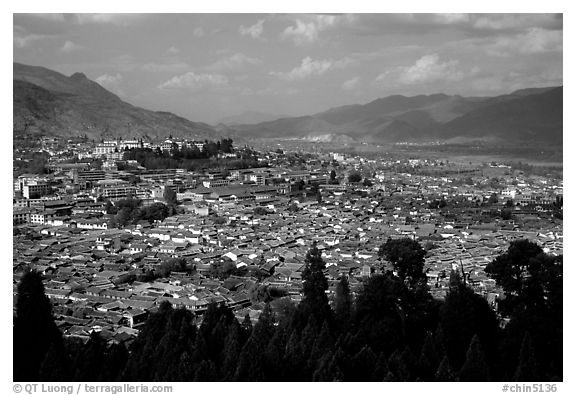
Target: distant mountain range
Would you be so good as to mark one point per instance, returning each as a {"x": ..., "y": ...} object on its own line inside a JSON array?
[
  {"x": 528, "y": 115},
  {"x": 249, "y": 118},
  {"x": 47, "y": 102},
  {"x": 50, "y": 103}
]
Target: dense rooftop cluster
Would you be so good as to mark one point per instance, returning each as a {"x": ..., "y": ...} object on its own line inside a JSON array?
[{"x": 239, "y": 236}]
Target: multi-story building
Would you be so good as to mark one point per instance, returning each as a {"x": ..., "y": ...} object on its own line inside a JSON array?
[
  {"x": 35, "y": 189},
  {"x": 199, "y": 144},
  {"x": 21, "y": 215},
  {"x": 117, "y": 192},
  {"x": 215, "y": 183},
  {"x": 105, "y": 148},
  {"x": 89, "y": 176},
  {"x": 129, "y": 144}
]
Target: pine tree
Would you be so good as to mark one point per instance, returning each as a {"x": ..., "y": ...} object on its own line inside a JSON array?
[
  {"x": 445, "y": 372},
  {"x": 114, "y": 362},
  {"x": 381, "y": 368},
  {"x": 328, "y": 369},
  {"x": 56, "y": 365},
  {"x": 439, "y": 342},
  {"x": 34, "y": 328},
  {"x": 343, "y": 302},
  {"x": 246, "y": 327},
  {"x": 251, "y": 360},
  {"x": 428, "y": 361},
  {"x": 294, "y": 358},
  {"x": 185, "y": 370},
  {"x": 398, "y": 368},
  {"x": 231, "y": 351},
  {"x": 90, "y": 362},
  {"x": 527, "y": 369},
  {"x": 362, "y": 365},
  {"x": 206, "y": 371},
  {"x": 308, "y": 336},
  {"x": 274, "y": 355},
  {"x": 464, "y": 314},
  {"x": 475, "y": 367},
  {"x": 315, "y": 301},
  {"x": 323, "y": 342}
]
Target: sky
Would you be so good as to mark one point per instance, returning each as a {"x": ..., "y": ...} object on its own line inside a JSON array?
[{"x": 209, "y": 66}]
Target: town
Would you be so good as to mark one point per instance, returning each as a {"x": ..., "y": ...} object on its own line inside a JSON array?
[{"x": 117, "y": 227}]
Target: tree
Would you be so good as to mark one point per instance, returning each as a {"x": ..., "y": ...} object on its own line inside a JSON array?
[
  {"x": 226, "y": 145},
  {"x": 170, "y": 265},
  {"x": 169, "y": 195},
  {"x": 407, "y": 257},
  {"x": 428, "y": 361},
  {"x": 231, "y": 351},
  {"x": 506, "y": 214},
  {"x": 333, "y": 177},
  {"x": 293, "y": 207},
  {"x": 527, "y": 369},
  {"x": 251, "y": 359},
  {"x": 463, "y": 315},
  {"x": 154, "y": 212},
  {"x": 445, "y": 372},
  {"x": 475, "y": 367},
  {"x": 493, "y": 199},
  {"x": 90, "y": 361},
  {"x": 314, "y": 287},
  {"x": 260, "y": 211},
  {"x": 527, "y": 275},
  {"x": 56, "y": 365},
  {"x": 354, "y": 177},
  {"x": 343, "y": 301},
  {"x": 34, "y": 329},
  {"x": 362, "y": 365},
  {"x": 328, "y": 369}
]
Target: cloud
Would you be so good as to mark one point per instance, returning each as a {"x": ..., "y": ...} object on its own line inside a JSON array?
[
  {"x": 199, "y": 32},
  {"x": 113, "y": 19},
  {"x": 49, "y": 17},
  {"x": 255, "y": 31},
  {"x": 69, "y": 46},
  {"x": 427, "y": 69},
  {"x": 234, "y": 62},
  {"x": 167, "y": 66},
  {"x": 350, "y": 84},
  {"x": 472, "y": 25},
  {"x": 173, "y": 50},
  {"x": 534, "y": 40},
  {"x": 21, "y": 38},
  {"x": 270, "y": 92},
  {"x": 195, "y": 81},
  {"x": 450, "y": 19},
  {"x": 309, "y": 68},
  {"x": 516, "y": 21},
  {"x": 111, "y": 82},
  {"x": 308, "y": 31}
]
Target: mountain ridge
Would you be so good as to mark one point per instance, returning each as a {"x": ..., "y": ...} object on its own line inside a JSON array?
[
  {"x": 525, "y": 115},
  {"x": 48, "y": 102}
]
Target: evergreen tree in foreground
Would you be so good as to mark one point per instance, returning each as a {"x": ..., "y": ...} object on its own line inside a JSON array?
[
  {"x": 35, "y": 333},
  {"x": 315, "y": 300}
]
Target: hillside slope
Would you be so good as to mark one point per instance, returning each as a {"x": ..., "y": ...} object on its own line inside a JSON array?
[
  {"x": 50, "y": 103},
  {"x": 527, "y": 115}
]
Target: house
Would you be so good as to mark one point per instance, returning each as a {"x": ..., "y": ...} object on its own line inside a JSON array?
[{"x": 135, "y": 317}]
